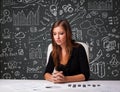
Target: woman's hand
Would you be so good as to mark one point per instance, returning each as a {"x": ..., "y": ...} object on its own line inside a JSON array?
[{"x": 58, "y": 77}]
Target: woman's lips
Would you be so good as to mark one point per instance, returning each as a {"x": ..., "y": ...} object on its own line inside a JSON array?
[{"x": 58, "y": 41}]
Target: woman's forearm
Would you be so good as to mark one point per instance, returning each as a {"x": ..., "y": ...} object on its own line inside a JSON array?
[
  {"x": 75, "y": 78},
  {"x": 48, "y": 77}
]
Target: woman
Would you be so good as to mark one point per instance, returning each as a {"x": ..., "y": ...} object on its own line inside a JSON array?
[{"x": 68, "y": 59}]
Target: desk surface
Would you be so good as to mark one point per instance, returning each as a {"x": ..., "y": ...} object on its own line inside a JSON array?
[{"x": 46, "y": 86}]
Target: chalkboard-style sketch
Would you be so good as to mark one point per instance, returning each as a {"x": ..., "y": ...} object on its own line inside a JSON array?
[
  {"x": 77, "y": 34},
  {"x": 80, "y": 14},
  {"x": 68, "y": 8},
  {"x": 98, "y": 69},
  {"x": 53, "y": 9},
  {"x": 12, "y": 64},
  {"x": 6, "y": 17},
  {"x": 6, "y": 34},
  {"x": 114, "y": 62},
  {"x": 26, "y": 1},
  {"x": 113, "y": 20},
  {"x": 35, "y": 76},
  {"x": 100, "y": 5},
  {"x": 101, "y": 69},
  {"x": 20, "y": 35},
  {"x": 17, "y": 73},
  {"x": 104, "y": 15},
  {"x": 108, "y": 45},
  {"x": 8, "y": 2},
  {"x": 102, "y": 29},
  {"x": 99, "y": 54},
  {"x": 20, "y": 19},
  {"x": 33, "y": 29},
  {"x": 34, "y": 70},
  {"x": 39, "y": 38},
  {"x": 6, "y": 76},
  {"x": 92, "y": 32},
  {"x": 85, "y": 25},
  {"x": 114, "y": 35},
  {"x": 98, "y": 21},
  {"x": 115, "y": 73},
  {"x": 35, "y": 53},
  {"x": 20, "y": 52},
  {"x": 25, "y": 35},
  {"x": 7, "y": 51},
  {"x": 91, "y": 14}
]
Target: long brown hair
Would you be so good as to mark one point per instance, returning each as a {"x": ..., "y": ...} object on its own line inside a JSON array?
[{"x": 56, "y": 52}]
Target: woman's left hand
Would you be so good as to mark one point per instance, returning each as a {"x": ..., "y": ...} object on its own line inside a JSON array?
[{"x": 58, "y": 77}]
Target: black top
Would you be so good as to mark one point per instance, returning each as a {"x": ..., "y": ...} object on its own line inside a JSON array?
[{"x": 77, "y": 64}]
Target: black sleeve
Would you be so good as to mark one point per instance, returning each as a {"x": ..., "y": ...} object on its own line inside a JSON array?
[
  {"x": 50, "y": 65},
  {"x": 84, "y": 64}
]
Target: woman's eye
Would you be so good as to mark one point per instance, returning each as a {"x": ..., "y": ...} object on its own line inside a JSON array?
[
  {"x": 54, "y": 33},
  {"x": 61, "y": 33}
]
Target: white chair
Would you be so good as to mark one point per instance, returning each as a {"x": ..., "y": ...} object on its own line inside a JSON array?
[{"x": 82, "y": 43}]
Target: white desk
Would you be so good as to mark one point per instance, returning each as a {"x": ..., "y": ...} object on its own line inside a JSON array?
[{"x": 45, "y": 86}]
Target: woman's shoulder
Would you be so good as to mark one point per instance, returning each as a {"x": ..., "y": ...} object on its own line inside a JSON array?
[
  {"x": 77, "y": 45},
  {"x": 77, "y": 49}
]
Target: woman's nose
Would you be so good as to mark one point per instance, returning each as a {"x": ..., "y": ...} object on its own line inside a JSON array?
[{"x": 57, "y": 36}]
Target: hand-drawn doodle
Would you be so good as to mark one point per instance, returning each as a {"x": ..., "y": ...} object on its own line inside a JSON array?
[
  {"x": 104, "y": 15},
  {"x": 20, "y": 19},
  {"x": 85, "y": 24},
  {"x": 53, "y": 9},
  {"x": 98, "y": 21},
  {"x": 35, "y": 76},
  {"x": 35, "y": 53},
  {"x": 8, "y": 52},
  {"x": 113, "y": 20},
  {"x": 20, "y": 35},
  {"x": 33, "y": 29},
  {"x": 17, "y": 73},
  {"x": 68, "y": 8},
  {"x": 26, "y": 1},
  {"x": 92, "y": 32},
  {"x": 77, "y": 34},
  {"x": 6, "y": 76},
  {"x": 34, "y": 70},
  {"x": 12, "y": 64},
  {"x": 98, "y": 68},
  {"x": 114, "y": 62},
  {"x": 115, "y": 73},
  {"x": 82, "y": 2},
  {"x": 79, "y": 15},
  {"x": 36, "y": 39},
  {"x": 102, "y": 29},
  {"x": 108, "y": 45},
  {"x": 99, "y": 54},
  {"x": 101, "y": 69},
  {"x": 113, "y": 35},
  {"x": 8, "y": 2},
  {"x": 6, "y": 17},
  {"x": 20, "y": 52},
  {"x": 100, "y": 5},
  {"x": 6, "y": 34}
]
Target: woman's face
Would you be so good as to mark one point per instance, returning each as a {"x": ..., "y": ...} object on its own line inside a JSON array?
[{"x": 59, "y": 35}]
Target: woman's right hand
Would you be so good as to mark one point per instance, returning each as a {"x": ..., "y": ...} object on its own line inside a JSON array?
[{"x": 58, "y": 77}]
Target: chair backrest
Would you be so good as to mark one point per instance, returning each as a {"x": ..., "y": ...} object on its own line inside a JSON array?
[
  {"x": 48, "y": 52},
  {"x": 82, "y": 43}
]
